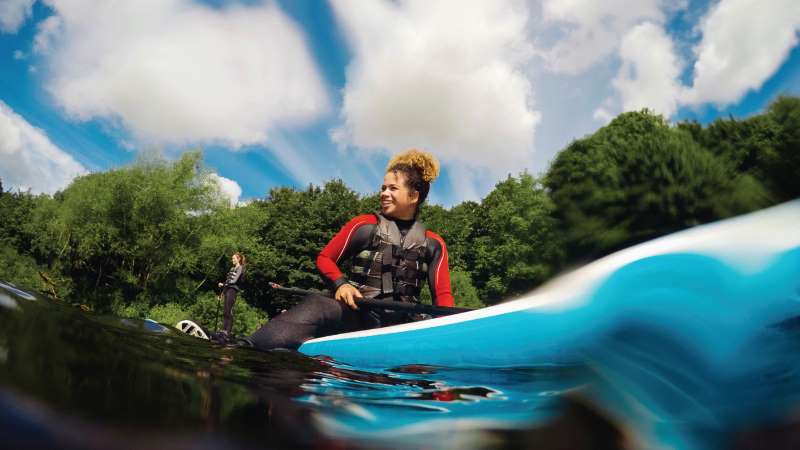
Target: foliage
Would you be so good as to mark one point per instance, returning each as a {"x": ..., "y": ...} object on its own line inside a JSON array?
[
  {"x": 515, "y": 242},
  {"x": 20, "y": 269},
  {"x": 637, "y": 179},
  {"x": 297, "y": 226},
  {"x": 766, "y": 146},
  {"x": 465, "y": 294},
  {"x": 135, "y": 230},
  {"x": 783, "y": 170},
  {"x": 207, "y": 310}
]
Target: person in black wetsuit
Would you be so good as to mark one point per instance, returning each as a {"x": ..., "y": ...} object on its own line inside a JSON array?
[
  {"x": 392, "y": 253},
  {"x": 229, "y": 290}
]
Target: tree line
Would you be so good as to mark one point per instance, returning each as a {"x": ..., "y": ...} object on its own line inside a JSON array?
[{"x": 152, "y": 239}]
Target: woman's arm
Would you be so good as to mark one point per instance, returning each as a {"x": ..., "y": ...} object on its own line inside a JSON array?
[
  {"x": 351, "y": 239},
  {"x": 439, "y": 272}
]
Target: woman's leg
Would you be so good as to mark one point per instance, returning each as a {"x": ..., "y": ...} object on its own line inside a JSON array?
[
  {"x": 230, "y": 299},
  {"x": 315, "y": 316}
]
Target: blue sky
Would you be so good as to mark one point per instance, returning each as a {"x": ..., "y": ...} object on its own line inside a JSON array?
[{"x": 298, "y": 91}]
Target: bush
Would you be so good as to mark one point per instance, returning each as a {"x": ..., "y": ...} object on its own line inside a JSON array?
[
  {"x": 207, "y": 311},
  {"x": 20, "y": 270}
]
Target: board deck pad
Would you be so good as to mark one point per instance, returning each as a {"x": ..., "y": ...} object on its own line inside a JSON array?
[{"x": 192, "y": 329}]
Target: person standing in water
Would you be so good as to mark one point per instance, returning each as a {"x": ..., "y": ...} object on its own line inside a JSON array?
[
  {"x": 230, "y": 288},
  {"x": 392, "y": 255}
]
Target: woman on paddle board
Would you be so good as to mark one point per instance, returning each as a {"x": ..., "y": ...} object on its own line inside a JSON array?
[
  {"x": 392, "y": 256},
  {"x": 229, "y": 290}
]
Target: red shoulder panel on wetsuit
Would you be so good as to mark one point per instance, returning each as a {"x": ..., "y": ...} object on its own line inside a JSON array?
[{"x": 330, "y": 255}]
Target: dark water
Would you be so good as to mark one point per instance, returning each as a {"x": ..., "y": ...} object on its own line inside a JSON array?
[{"x": 71, "y": 379}]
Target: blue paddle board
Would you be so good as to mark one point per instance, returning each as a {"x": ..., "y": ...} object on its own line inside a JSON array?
[{"x": 690, "y": 278}]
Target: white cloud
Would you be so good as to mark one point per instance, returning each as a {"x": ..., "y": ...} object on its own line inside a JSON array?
[
  {"x": 19, "y": 55},
  {"x": 445, "y": 76},
  {"x": 744, "y": 42},
  {"x": 603, "y": 115},
  {"x": 227, "y": 187},
  {"x": 589, "y": 31},
  {"x": 28, "y": 160},
  {"x": 175, "y": 71},
  {"x": 13, "y": 14},
  {"x": 47, "y": 30},
  {"x": 648, "y": 77}
]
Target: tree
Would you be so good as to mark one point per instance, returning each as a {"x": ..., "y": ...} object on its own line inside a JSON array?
[
  {"x": 297, "y": 226},
  {"x": 765, "y": 146},
  {"x": 131, "y": 233},
  {"x": 514, "y": 243},
  {"x": 637, "y": 179},
  {"x": 456, "y": 227},
  {"x": 784, "y": 170}
]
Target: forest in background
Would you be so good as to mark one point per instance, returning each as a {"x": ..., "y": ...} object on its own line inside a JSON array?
[{"x": 153, "y": 239}]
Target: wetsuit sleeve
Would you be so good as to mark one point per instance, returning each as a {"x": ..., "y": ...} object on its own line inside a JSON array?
[
  {"x": 439, "y": 272},
  {"x": 351, "y": 239}
]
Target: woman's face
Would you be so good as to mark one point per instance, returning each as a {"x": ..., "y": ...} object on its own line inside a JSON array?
[
  {"x": 397, "y": 199},
  {"x": 235, "y": 260}
]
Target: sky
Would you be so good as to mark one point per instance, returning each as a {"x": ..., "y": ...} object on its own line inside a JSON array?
[{"x": 287, "y": 93}]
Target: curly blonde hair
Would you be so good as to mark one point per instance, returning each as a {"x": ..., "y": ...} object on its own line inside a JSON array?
[
  {"x": 420, "y": 169},
  {"x": 423, "y": 161}
]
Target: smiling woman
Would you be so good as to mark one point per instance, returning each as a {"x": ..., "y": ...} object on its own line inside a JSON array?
[{"x": 392, "y": 255}]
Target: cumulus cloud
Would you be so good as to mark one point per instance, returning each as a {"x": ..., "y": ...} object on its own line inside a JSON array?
[
  {"x": 28, "y": 160},
  {"x": 743, "y": 44},
  {"x": 444, "y": 76},
  {"x": 13, "y": 14},
  {"x": 229, "y": 188},
  {"x": 590, "y": 31},
  {"x": 648, "y": 77},
  {"x": 46, "y": 31},
  {"x": 176, "y": 71}
]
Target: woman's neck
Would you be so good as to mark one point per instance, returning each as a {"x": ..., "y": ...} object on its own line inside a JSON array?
[{"x": 404, "y": 217}]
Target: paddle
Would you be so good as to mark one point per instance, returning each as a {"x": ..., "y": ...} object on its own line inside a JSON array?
[{"x": 382, "y": 303}]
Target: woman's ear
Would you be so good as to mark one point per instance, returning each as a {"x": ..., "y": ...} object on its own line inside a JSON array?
[{"x": 413, "y": 196}]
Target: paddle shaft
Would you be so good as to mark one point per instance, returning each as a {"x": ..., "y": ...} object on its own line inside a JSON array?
[{"x": 382, "y": 303}]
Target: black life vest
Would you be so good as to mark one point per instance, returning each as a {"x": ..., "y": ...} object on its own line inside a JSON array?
[
  {"x": 234, "y": 277},
  {"x": 393, "y": 265}
]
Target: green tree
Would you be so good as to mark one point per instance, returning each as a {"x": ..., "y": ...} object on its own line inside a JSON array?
[
  {"x": 765, "y": 146},
  {"x": 784, "y": 170},
  {"x": 514, "y": 241},
  {"x": 130, "y": 233},
  {"x": 464, "y": 292},
  {"x": 298, "y": 224},
  {"x": 637, "y": 179},
  {"x": 456, "y": 227},
  {"x": 20, "y": 265}
]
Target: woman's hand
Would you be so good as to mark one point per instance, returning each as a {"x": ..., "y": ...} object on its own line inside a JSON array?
[
  {"x": 220, "y": 285},
  {"x": 348, "y": 294}
]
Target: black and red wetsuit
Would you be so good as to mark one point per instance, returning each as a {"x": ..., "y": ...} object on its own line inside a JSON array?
[
  {"x": 318, "y": 316},
  {"x": 357, "y": 235}
]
